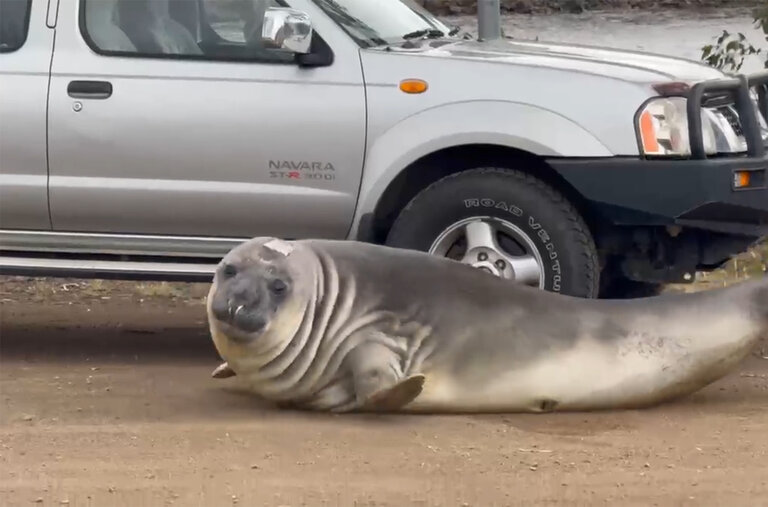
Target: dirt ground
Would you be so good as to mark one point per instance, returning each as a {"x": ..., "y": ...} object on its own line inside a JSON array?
[{"x": 107, "y": 400}]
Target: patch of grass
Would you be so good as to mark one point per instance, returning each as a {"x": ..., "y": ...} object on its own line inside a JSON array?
[
  {"x": 74, "y": 290},
  {"x": 750, "y": 264}
]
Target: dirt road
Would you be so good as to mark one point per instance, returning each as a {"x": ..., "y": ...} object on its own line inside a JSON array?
[{"x": 107, "y": 400}]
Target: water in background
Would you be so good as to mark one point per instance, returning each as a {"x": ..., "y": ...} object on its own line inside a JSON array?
[{"x": 675, "y": 33}]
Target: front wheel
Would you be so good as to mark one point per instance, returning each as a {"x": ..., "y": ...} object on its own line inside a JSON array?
[{"x": 505, "y": 222}]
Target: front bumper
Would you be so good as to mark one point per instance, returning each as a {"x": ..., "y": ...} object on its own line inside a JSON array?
[
  {"x": 696, "y": 192},
  {"x": 691, "y": 193}
]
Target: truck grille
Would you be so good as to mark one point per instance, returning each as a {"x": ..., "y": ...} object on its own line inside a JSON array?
[{"x": 733, "y": 119}]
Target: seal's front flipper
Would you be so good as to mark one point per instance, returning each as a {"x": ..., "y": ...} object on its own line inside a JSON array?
[
  {"x": 223, "y": 371},
  {"x": 396, "y": 396},
  {"x": 378, "y": 381}
]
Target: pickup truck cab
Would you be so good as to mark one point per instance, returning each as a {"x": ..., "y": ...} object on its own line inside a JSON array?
[{"x": 145, "y": 138}]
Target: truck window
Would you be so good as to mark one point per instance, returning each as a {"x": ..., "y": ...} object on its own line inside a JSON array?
[
  {"x": 14, "y": 24},
  {"x": 378, "y": 22},
  {"x": 236, "y": 20},
  {"x": 199, "y": 29}
]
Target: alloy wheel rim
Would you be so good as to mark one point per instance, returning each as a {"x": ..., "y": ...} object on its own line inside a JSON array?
[{"x": 494, "y": 245}]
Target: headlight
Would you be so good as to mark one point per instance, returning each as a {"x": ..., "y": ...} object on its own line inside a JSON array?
[
  {"x": 761, "y": 120},
  {"x": 663, "y": 128}
]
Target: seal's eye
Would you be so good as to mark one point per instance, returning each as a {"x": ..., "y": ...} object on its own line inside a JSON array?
[
  {"x": 277, "y": 286},
  {"x": 229, "y": 270}
]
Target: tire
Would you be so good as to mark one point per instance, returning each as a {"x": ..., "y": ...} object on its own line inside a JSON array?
[{"x": 542, "y": 223}]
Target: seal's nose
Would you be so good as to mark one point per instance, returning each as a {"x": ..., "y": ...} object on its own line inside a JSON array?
[
  {"x": 238, "y": 314},
  {"x": 220, "y": 309},
  {"x": 238, "y": 302}
]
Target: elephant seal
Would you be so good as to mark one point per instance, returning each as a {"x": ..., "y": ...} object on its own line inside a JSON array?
[{"x": 344, "y": 326}]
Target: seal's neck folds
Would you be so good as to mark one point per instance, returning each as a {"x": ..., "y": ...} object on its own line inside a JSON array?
[{"x": 305, "y": 335}]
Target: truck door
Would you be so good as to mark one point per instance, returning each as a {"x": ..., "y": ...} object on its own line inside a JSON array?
[
  {"x": 25, "y": 58},
  {"x": 168, "y": 118}
]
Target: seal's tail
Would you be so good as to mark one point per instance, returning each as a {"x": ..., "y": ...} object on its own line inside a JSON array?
[
  {"x": 685, "y": 343},
  {"x": 761, "y": 300}
]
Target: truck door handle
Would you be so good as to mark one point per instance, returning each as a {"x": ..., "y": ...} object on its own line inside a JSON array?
[{"x": 89, "y": 89}]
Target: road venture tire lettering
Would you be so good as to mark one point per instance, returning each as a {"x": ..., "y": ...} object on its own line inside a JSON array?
[{"x": 562, "y": 238}]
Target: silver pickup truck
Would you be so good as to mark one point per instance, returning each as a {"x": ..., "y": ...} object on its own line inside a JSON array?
[{"x": 145, "y": 138}]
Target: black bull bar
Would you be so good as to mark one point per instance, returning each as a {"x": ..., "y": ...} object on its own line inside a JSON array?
[{"x": 739, "y": 87}]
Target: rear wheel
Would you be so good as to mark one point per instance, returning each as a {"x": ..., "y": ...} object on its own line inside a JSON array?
[{"x": 505, "y": 222}]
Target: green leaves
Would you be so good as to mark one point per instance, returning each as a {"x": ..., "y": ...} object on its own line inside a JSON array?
[{"x": 729, "y": 50}]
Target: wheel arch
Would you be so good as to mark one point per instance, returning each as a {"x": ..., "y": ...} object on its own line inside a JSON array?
[{"x": 431, "y": 167}]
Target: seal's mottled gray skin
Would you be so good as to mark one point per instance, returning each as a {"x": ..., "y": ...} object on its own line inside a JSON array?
[{"x": 346, "y": 326}]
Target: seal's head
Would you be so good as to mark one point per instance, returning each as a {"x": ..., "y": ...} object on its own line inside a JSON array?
[{"x": 254, "y": 286}]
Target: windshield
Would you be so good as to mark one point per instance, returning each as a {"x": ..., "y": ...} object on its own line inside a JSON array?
[{"x": 378, "y": 22}]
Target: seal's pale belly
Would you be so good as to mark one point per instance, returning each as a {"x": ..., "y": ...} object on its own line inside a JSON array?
[{"x": 634, "y": 371}]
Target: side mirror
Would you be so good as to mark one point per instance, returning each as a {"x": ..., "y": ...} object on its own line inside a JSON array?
[{"x": 288, "y": 29}]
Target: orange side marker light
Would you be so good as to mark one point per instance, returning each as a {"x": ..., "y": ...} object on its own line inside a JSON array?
[{"x": 413, "y": 86}]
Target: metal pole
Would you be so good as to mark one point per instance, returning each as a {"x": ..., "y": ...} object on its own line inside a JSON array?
[{"x": 488, "y": 19}]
